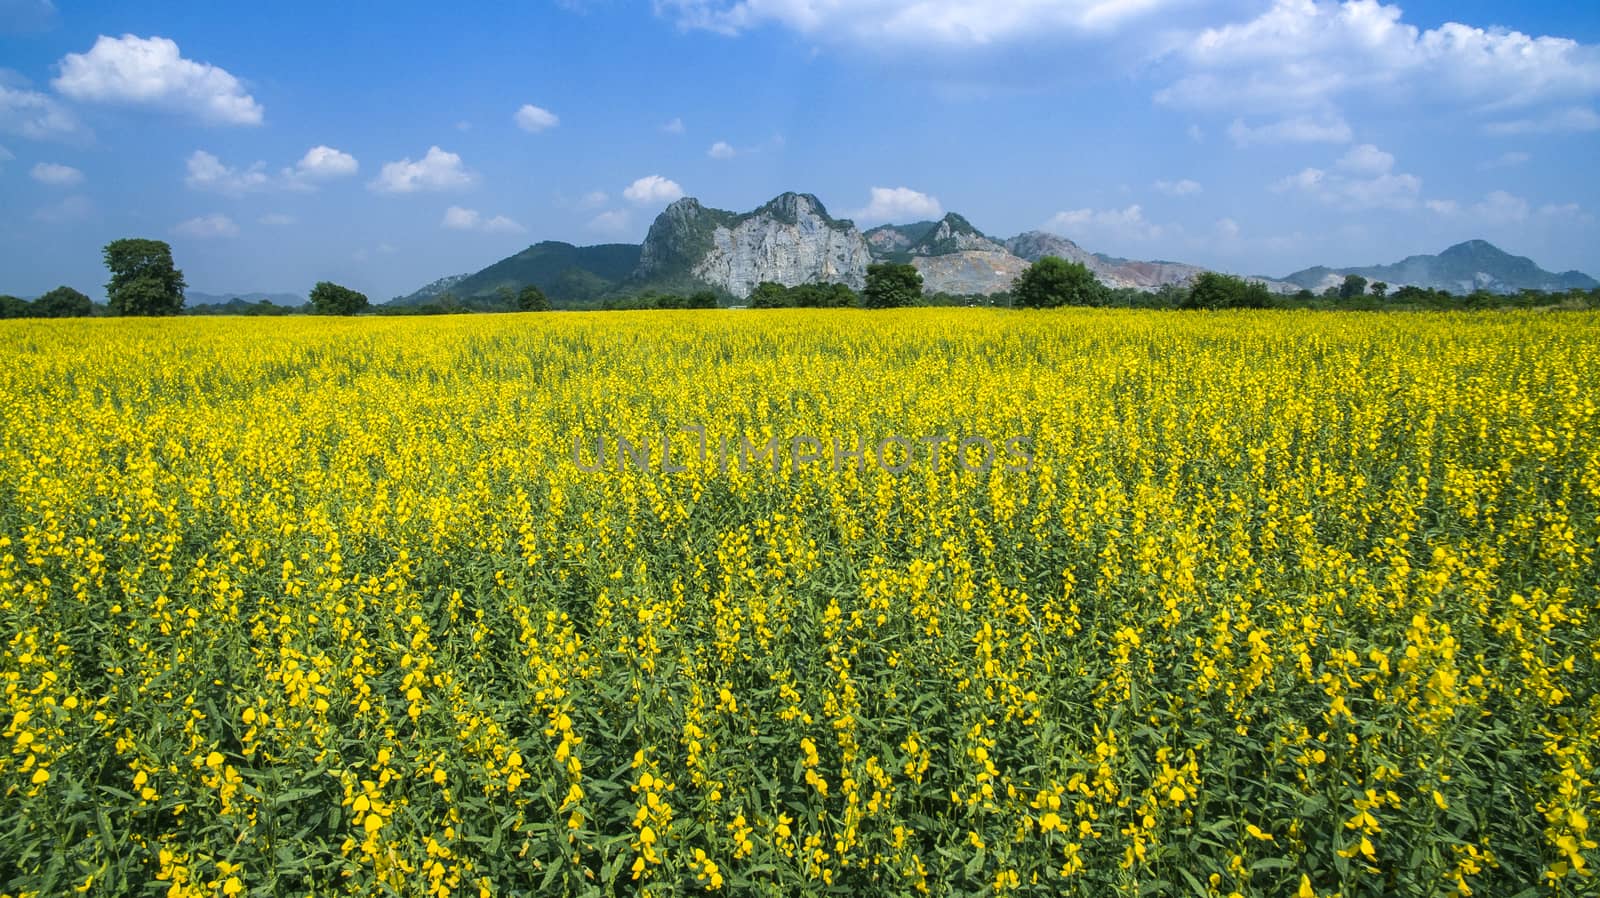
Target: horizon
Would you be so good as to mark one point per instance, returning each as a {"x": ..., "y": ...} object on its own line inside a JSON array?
[{"x": 1257, "y": 138}]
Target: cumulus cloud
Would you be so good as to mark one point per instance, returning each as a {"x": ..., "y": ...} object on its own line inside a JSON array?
[
  {"x": 37, "y": 116},
  {"x": 1364, "y": 179},
  {"x": 1182, "y": 187},
  {"x": 207, "y": 172},
  {"x": 722, "y": 150},
  {"x": 1325, "y": 128},
  {"x": 55, "y": 175},
  {"x": 534, "y": 119},
  {"x": 207, "y": 226},
  {"x": 1304, "y": 54},
  {"x": 1366, "y": 159},
  {"x": 899, "y": 204},
  {"x": 438, "y": 170},
  {"x": 151, "y": 72},
  {"x": 320, "y": 163},
  {"x": 652, "y": 189},
  {"x": 324, "y": 162},
  {"x": 1121, "y": 224},
  {"x": 912, "y": 23},
  {"x": 594, "y": 199},
  {"x": 1573, "y": 120},
  {"x": 457, "y": 218}
]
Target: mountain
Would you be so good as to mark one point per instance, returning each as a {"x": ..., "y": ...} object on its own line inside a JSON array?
[
  {"x": 575, "y": 274},
  {"x": 790, "y": 240},
  {"x": 952, "y": 255},
  {"x": 1463, "y": 268},
  {"x": 430, "y": 292},
  {"x": 197, "y": 298}
]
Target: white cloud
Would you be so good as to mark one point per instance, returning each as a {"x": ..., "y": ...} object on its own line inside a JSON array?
[
  {"x": 1305, "y": 54},
  {"x": 56, "y": 175},
  {"x": 1442, "y": 207},
  {"x": 614, "y": 221},
  {"x": 652, "y": 189},
  {"x": 890, "y": 23},
  {"x": 71, "y": 209},
  {"x": 207, "y": 172},
  {"x": 535, "y": 119},
  {"x": 459, "y": 219},
  {"x": 673, "y": 127},
  {"x": 899, "y": 204},
  {"x": 276, "y": 219},
  {"x": 1574, "y": 120},
  {"x": 1509, "y": 159},
  {"x": 321, "y": 162},
  {"x": 438, "y": 170},
  {"x": 1365, "y": 180},
  {"x": 721, "y": 150},
  {"x": 1197, "y": 134},
  {"x": 5, "y": 155},
  {"x": 151, "y": 72},
  {"x": 1227, "y": 230},
  {"x": 1325, "y": 128},
  {"x": 594, "y": 199},
  {"x": 1366, "y": 159},
  {"x": 1121, "y": 224},
  {"x": 1502, "y": 208},
  {"x": 1183, "y": 187},
  {"x": 37, "y": 116},
  {"x": 207, "y": 226}
]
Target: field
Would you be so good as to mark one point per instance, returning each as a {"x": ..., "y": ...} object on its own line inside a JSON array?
[{"x": 1258, "y": 604}]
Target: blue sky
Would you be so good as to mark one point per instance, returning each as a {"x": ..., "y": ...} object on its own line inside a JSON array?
[{"x": 385, "y": 145}]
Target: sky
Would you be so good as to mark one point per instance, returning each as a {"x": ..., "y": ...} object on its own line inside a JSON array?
[{"x": 382, "y": 146}]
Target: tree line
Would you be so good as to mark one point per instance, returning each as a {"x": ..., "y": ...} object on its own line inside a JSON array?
[{"x": 145, "y": 281}]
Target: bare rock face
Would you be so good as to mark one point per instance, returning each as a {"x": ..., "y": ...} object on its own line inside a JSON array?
[
  {"x": 969, "y": 271},
  {"x": 791, "y": 241},
  {"x": 1111, "y": 271}
]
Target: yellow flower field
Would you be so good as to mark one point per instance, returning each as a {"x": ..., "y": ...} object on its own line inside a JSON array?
[{"x": 1280, "y": 605}]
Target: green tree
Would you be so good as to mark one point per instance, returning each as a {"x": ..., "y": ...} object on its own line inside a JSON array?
[
  {"x": 63, "y": 302},
  {"x": 840, "y": 296},
  {"x": 1053, "y": 281},
  {"x": 1354, "y": 285},
  {"x": 328, "y": 298},
  {"x": 770, "y": 295},
  {"x": 14, "y": 307},
  {"x": 892, "y": 285},
  {"x": 1212, "y": 290},
  {"x": 143, "y": 278},
  {"x": 703, "y": 299},
  {"x": 1379, "y": 289},
  {"x": 532, "y": 299}
]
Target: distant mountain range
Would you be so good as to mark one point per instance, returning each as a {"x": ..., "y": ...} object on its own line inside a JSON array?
[
  {"x": 196, "y": 298},
  {"x": 793, "y": 240}
]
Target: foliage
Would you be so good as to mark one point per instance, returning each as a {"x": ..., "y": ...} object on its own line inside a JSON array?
[
  {"x": 1225, "y": 291},
  {"x": 892, "y": 285},
  {"x": 144, "y": 280},
  {"x": 1051, "y": 282},
  {"x": 532, "y": 299},
  {"x": 1354, "y": 285},
  {"x": 328, "y": 298},
  {"x": 62, "y": 302}
]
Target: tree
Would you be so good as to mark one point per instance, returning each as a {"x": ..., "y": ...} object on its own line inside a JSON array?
[
  {"x": 770, "y": 295},
  {"x": 63, "y": 302},
  {"x": 1379, "y": 289},
  {"x": 143, "y": 278},
  {"x": 1053, "y": 281},
  {"x": 703, "y": 299},
  {"x": 1224, "y": 291},
  {"x": 1354, "y": 285},
  {"x": 532, "y": 299},
  {"x": 892, "y": 285},
  {"x": 328, "y": 298},
  {"x": 14, "y": 307}
]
